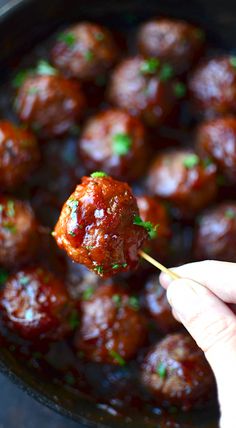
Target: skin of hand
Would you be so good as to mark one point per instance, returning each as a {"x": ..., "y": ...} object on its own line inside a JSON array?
[{"x": 199, "y": 300}]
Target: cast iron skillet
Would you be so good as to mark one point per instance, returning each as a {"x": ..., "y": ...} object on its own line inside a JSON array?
[{"x": 22, "y": 24}]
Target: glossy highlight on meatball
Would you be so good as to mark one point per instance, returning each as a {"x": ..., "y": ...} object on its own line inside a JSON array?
[
  {"x": 84, "y": 51},
  {"x": 176, "y": 373},
  {"x": 215, "y": 235},
  {"x": 112, "y": 327},
  {"x": 18, "y": 232},
  {"x": 176, "y": 42},
  {"x": 213, "y": 86},
  {"x": 36, "y": 305},
  {"x": 115, "y": 142},
  {"x": 19, "y": 155},
  {"x": 49, "y": 103},
  {"x": 99, "y": 226},
  {"x": 143, "y": 87},
  {"x": 183, "y": 178},
  {"x": 217, "y": 139}
]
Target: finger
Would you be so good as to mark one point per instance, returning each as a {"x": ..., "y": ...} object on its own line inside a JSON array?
[{"x": 219, "y": 277}]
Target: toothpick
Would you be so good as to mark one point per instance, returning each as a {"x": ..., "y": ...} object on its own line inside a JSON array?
[{"x": 158, "y": 265}]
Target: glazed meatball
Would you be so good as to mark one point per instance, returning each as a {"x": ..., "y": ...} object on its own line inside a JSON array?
[
  {"x": 35, "y": 304},
  {"x": 112, "y": 327},
  {"x": 50, "y": 104},
  {"x": 18, "y": 232},
  {"x": 142, "y": 87},
  {"x": 181, "y": 177},
  {"x": 19, "y": 155},
  {"x": 217, "y": 139},
  {"x": 213, "y": 86},
  {"x": 115, "y": 142},
  {"x": 97, "y": 226},
  {"x": 156, "y": 303},
  {"x": 176, "y": 42},
  {"x": 176, "y": 372},
  {"x": 215, "y": 236},
  {"x": 84, "y": 51},
  {"x": 154, "y": 211}
]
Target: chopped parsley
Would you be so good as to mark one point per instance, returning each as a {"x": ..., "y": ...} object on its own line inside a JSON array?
[
  {"x": 207, "y": 162},
  {"x": 118, "y": 265},
  {"x": 72, "y": 233},
  {"x": 121, "y": 144},
  {"x": 10, "y": 208},
  {"x": 230, "y": 213},
  {"x": 68, "y": 38},
  {"x": 74, "y": 320},
  {"x": 45, "y": 69},
  {"x": 134, "y": 303},
  {"x": 179, "y": 90},
  {"x": 73, "y": 204},
  {"x": 150, "y": 66},
  {"x": 117, "y": 357},
  {"x": 166, "y": 72},
  {"x": 20, "y": 78},
  {"x": 24, "y": 280},
  {"x": 10, "y": 227},
  {"x": 89, "y": 55},
  {"x": 161, "y": 370},
  {"x": 98, "y": 174},
  {"x": 151, "y": 229},
  {"x": 99, "y": 36},
  {"x": 3, "y": 276},
  {"x": 87, "y": 294},
  {"x": 33, "y": 90},
  {"x": 98, "y": 270},
  {"x": 232, "y": 61},
  {"x": 116, "y": 298},
  {"x": 191, "y": 161}
]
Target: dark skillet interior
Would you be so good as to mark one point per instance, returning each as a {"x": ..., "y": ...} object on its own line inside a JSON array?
[{"x": 22, "y": 26}]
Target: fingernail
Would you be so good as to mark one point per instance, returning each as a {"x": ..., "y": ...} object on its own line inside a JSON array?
[
  {"x": 183, "y": 297},
  {"x": 165, "y": 280}
]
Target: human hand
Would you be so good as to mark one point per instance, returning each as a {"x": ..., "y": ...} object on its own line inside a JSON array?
[{"x": 200, "y": 303}]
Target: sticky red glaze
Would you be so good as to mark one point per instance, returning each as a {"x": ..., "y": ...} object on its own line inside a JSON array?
[
  {"x": 99, "y": 231},
  {"x": 35, "y": 304},
  {"x": 92, "y": 51},
  {"x": 217, "y": 138},
  {"x": 213, "y": 87},
  {"x": 98, "y": 150},
  {"x": 190, "y": 189},
  {"x": 142, "y": 94},
  {"x": 156, "y": 303},
  {"x": 187, "y": 380},
  {"x": 109, "y": 323},
  {"x": 19, "y": 155},
  {"x": 18, "y": 232},
  {"x": 155, "y": 211},
  {"x": 50, "y": 105},
  {"x": 177, "y": 42},
  {"x": 215, "y": 236}
]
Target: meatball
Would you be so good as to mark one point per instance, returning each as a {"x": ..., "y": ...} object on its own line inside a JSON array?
[
  {"x": 217, "y": 139},
  {"x": 50, "y": 104},
  {"x": 177, "y": 373},
  {"x": 142, "y": 87},
  {"x": 115, "y": 142},
  {"x": 112, "y": 327},
  {"x": 215, "y": 236},
  {"x": 36, "y": 305},
  {"x": 177, "y": 42},
  {"x": 97, "y": 226},
  {"x": 213, "y": 86},
  {"x": 181, "y": 177},
  {"x": 84, "y": 51},
  {"x": 156, "y": 303},
  {"x": 18, "y": 232},
  {"x": 154, "y": 211},
  {"x": 19, "y": 155}
]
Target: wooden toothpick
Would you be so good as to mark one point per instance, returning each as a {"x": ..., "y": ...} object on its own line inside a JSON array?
[{"x": 158, "y": 265}]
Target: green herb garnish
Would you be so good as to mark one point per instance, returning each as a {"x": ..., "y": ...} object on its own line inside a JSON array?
[
  {"x": 3, "y": 276},
  {"x": 116, "y": 298},
  {"x": 207, "y": 162},
  {"x": 150, "y": 66},
  {"x": 73, "y": 204},
  {"x": 161, "y": 370},
  {"x": 151, "y": 229},
  {"x": 24, "y": 280},
  {"x": 45, "y": 69},
  {"x": 89, "y": 55},
  {"x": 20, "y": 77},
  {"x": 134, "y": 303},
  {"x": 121, "y": 144},
  {"x": 98, "y": 174},
  {"x": 232, "y": 61},
  {"x": 117, "y": 357},
  {"x": 166, "y": 72},
  {"x": 68, "y": 38},
  {"x": 72, "y": 233},
  {"x": 10, "y": 227},
  {"x": 191, "y": 160},
  {"x": 74, "y": 320},
  {"x": 230, "y": 213},
  {"x": 10, "y": 208},
  {"x": 87, "y": 294},
  {"x": 179, "y": 90},
  {"x": 118, "y": 266},
  {"x": 98, "y": 269},
  {"x": 99, "y": 36},
  {"x": 33, "y": 90}
]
